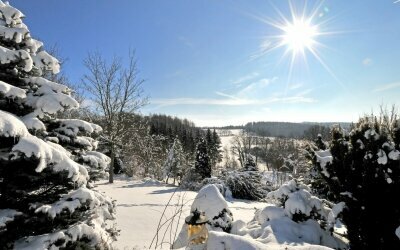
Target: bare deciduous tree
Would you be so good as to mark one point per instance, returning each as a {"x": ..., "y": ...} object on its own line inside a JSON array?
[{"x": 116, "y": 92}]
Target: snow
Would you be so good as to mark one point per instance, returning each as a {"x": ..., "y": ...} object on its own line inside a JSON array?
[
  {"x": 15, "y": 34},
  {"x": 270, "y": 212},
  {"x": 11, "y": 91},
  {"x": 11, "y": 126},
  {"x": 46, "y": 86},
  {"x": 210, "y": 201},
  {"x": 32, "y": 122},
  {"x": 142, "y": 203},
  {"x": 394, "y": 155},
  {"x": 382, "y": 158},
  {"x": 49, "y": 156},
  {"x": 397, "y": 232},
  {"x": 74, "y": 200},
  {"x": 389, "y": 180},
  {"x": 324, "y": 157},
  {"x": 8, "y": 56},
  {"x": 61, "y": 238},
  {"x": 71, "y": 127},
  {"x": 51, "y": 103},
  {"x": 7, "y": 215},
  {"x": 11, "y": 15},
  {"x": 45, "y": 62},
  {"x": 371, "y": 134},
  {"x": 362, "y": 146}
]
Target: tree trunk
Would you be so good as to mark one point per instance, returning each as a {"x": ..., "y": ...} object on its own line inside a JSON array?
[{"x": 111, "y": 170}]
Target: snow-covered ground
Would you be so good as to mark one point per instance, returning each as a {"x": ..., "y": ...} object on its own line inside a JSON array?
[
  {"x": 226, "y": 141},
  {"x": 140, "y": 205}
]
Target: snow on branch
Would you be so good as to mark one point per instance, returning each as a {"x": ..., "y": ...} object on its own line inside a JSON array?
[
  {"x": 11, "y": 126},
  {"x": 49, "y": 156},
  {"x": 11, "y": 91}
]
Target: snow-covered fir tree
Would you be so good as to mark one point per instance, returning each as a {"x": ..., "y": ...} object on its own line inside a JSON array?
[
  {"x": 202, "y": 162},
  {"x": 246, "y": 183},
  {"x": 362, "y": 169},
  {"x": 45, "y": 163},
  {"x": 173, "y": 166}
]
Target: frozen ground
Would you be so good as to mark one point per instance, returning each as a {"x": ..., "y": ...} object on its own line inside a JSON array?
[{"x": 140, "y": 205}]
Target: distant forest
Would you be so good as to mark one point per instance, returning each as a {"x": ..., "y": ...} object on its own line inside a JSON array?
[
  {"x": 171, "y": 127},
  {"x": 307, "y": 130}
]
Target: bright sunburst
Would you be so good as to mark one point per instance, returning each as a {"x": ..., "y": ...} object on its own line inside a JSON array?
[{"x": 299, "y": 35}]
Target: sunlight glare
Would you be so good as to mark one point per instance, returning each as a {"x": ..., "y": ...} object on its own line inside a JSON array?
[{"x": 299, "y": 35}]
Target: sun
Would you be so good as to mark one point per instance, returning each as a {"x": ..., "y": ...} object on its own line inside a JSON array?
[
  {"x": 299, "y": 35},
  {"x": 299, "y": 32}
]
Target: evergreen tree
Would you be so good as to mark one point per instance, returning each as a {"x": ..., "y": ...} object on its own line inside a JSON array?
[
  {"x": 202, "y": 163},
  {"x": 46, "y": 163},
  {"x": 249, "y": 164},
  {"x": 362, "y": 169},
  {"x": 173, "y": 166}
]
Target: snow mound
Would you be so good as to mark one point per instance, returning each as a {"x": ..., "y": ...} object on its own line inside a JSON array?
[
  {"x": 11, "y": 126},
  {"x": 222, "y": 241},
  {"x": 49, "y": 156},
  {"x": 11, "y": 91},
  {"x": 269, "y": 213},
  {"x": 210, "y": 201}
]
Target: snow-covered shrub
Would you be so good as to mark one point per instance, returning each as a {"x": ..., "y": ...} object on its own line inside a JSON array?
[
  {"x": 191, "y": 180},
  {"x": 362, "y": 169},
  {"x": 45, "y": 163},
  {"x": 299, "y": 205},
  {"x": 246, "y": 185},
  {"x": 293, "y": 224},
  {"x": 210, "y": 201}
]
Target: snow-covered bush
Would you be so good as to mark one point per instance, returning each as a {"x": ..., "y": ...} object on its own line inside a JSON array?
[
  {"x": 299, "y": 205},
  {"x": 246, "y": 185},
  {"x": 294, "y": 221},
  {"x": 45, "y": 163},
  {"x": 362, "y": 169},
  {"x": 210, "y": 201}
]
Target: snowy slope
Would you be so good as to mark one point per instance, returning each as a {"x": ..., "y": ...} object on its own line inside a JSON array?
[{"x": 141, "y": 203}]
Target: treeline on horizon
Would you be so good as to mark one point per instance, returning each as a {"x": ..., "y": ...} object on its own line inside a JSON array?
[{"x": 308, "y": 130}]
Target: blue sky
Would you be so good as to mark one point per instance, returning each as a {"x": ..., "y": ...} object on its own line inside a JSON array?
[{"x": 202, "y": 59}]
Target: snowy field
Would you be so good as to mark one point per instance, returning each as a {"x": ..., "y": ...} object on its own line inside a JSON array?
[
  {"x": 226, "y": 141},
  {"x": 140, "y": 205}
]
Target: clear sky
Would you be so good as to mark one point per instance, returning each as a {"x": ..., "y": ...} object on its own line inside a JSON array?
[{"x": 205, "y": 60}]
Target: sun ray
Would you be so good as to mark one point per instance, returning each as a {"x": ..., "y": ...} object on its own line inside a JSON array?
[{"x": 299, "y": 33}]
